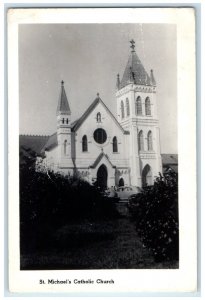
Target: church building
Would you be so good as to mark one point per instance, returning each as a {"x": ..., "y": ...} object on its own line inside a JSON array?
[{"x": 112, "y": 150}]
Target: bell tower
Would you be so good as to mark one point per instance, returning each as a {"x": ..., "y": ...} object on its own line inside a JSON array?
[
  {"x": 63, "y": 114},
  {"x": 137, "y": 113}
]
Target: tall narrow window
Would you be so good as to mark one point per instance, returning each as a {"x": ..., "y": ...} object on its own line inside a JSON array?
[
  {"x": 63, "y": 120},
  {"x": 138, "y": 107},
  {"x": 65, "y": 147},
  {"x": 141, "y": 141},
  {"x": 122, "y": 110},
  {"x": 149, "y": 141},
  {"x": 66, "y": 121},
  {"x": 98, "y": 117},
  {"x": 127, "y": 107},
  {"x": 147, "y": 106},
  {"x": 84, "y": 143},
  {"x": 114, "y": 144}
]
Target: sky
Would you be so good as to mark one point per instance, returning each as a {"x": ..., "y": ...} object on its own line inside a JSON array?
[{"x": 88, "y": 58}]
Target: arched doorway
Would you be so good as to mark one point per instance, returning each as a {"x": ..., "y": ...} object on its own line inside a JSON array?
[
  {"x": 102, "y": 177},
  {"x": 121, "y": 182},
  {"x": 147, "y": 176}
]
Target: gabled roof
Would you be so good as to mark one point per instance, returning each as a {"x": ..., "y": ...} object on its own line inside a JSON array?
[
  {"x": 98, "y": 100},
  {"x": 135, "y": 72},
  {"x": 31, "y": 146},
  {"x": 51, "y": 142},
  {"x": 33, "y": 142},
  {"x": 169, "y": 159},
  {"x": 63, "y": 106},
  {"x": 98, "y": 159}
]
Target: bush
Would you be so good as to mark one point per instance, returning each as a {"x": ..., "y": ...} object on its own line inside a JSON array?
[
  {"x": 49, "y": 200},
  {"x": 156, "y": 215}
]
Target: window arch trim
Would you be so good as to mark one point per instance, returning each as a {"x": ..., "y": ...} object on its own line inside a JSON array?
[
  {"x": 84, "y": 143},
  {"x": 138, "y": 107},
  {"x": 147, "y": 107},
  {"x": 122, "y": 110},
  {"x": 141, "y": 140},
  {"x": 114, "y": 145},
  {"x": 149, "y": 141}
]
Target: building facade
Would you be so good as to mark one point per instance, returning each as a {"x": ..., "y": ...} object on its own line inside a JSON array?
[{"x": 114, "y": 151}]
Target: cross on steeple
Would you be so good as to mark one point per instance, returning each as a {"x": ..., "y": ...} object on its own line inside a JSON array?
[{"x": 132, "y": 42}]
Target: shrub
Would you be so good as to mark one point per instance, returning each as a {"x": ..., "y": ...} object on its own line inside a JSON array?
[
  {"x": 49, "y": 200},
  {"x": 156, "y": 215}
]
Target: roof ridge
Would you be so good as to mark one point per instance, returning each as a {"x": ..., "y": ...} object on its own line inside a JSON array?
[
  {"x": 33, "y": 135},
  {"x": 89, "y": 109},
  {"x": 135, "y": 69}
]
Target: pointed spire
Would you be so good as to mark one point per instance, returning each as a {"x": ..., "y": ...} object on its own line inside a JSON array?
[
  {"x": 131, "y": 75},
  {"x": 63, "y": 106},
  {"x": 153, "y": 81},
  {"x": 118, "y": 82},
  {"x": 134, "y": 70}
]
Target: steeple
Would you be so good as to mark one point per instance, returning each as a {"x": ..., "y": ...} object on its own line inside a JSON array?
[
  {"x": 63, "y": 106},
  {"x": 134, "y": 70}
]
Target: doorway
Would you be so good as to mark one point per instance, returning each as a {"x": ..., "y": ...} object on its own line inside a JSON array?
[
  {"x": 121, "y": 182},
  {"x": 146, "y": 176},
  {"x": 102, "y": 177}
]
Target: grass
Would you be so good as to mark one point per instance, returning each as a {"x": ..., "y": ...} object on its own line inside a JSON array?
[{"x": 106, "y": 244}]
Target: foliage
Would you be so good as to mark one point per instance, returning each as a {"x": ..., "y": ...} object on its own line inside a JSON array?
[
  {"x": 155, "y": 212},
  {"x": 49, "y": 200}
]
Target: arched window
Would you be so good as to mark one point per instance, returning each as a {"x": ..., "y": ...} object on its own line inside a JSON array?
[
  {"x": 138, "y": 107},
  {"x": 99, "y": 117},
  {"x": 122, "y": 110},
  {"x": 127, "y": 107},
  {"x": 114, "y": 144},
  {"x": 84, "y": 143},
  {"x": 147, "y": 107},
  {"x": 141, "y": 141},
  {"x": 149, "y": 141},
  {"x": 66, "y": 121},
  {"x": 65, "y": 147},
  {"x": 63, "y": 120}
]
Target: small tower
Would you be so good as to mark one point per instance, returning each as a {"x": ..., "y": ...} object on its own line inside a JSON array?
[
  {"x": 137, "y": 113},
  {"x": 63, "y": 114}
]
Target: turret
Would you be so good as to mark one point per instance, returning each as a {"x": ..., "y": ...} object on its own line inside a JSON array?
[{"x": 63, "y": 114}]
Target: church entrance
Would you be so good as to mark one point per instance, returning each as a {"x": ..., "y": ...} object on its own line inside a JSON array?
[
  {"x": 102, "y": 177},
  {"x": 146, "y": 176},
  {"x": 121, "y": 182}
]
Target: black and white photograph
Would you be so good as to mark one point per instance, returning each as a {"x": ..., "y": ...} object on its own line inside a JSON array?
[{"x": 98, "y": 147}]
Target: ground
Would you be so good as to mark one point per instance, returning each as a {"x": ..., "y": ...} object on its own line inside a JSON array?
[{"x": 104, "y": 244}]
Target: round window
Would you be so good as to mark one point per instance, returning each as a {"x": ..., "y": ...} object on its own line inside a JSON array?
[{"x": 100, "y": 136}]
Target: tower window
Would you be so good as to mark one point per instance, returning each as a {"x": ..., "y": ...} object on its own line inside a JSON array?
[
  {"x": 66, "y": 121},
  {"x": 63, "y": 120},
  {"x": 149, "y": 141},
  {"x": 141, "y": 141},
  {"x": 65, "y": 147},
  {"x": 114, "y": 144},
  {"x": 122, "y": 110},
  {"x": 147, "y": 106},
  {"x": 84, "y": 144},
  {"x": 98, "y": 117},
  {"x": 138, "y": 107},
  {"x": 127, "y": 107}
]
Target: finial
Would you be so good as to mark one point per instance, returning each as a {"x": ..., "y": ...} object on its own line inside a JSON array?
[
  {"x": 153, "y": 81},
  {"x": 62, "y": 82},
  {"x": 118, "y": 82},
  {"x": 98, "y": 94},
  {"x": 132, "y": 42}
]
